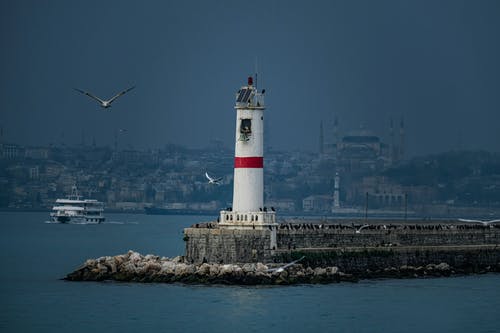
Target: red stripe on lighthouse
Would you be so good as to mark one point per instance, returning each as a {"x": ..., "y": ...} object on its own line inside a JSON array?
[{"x": 248, "y": 162}]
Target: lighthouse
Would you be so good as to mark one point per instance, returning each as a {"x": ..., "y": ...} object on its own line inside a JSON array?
[{"x": 248, "y": 211}]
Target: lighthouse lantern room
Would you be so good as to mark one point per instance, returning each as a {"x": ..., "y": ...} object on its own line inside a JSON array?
[{"x": 248, "y": 209}]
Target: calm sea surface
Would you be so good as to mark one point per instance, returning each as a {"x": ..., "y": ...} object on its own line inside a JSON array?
[{"x": 35, "y": 255}]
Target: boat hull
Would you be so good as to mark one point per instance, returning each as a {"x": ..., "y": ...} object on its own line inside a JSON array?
[{"x": 78, "y": 219}]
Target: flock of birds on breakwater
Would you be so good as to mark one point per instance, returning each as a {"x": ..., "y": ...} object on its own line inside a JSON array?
[{"x": 372, "y": 227}]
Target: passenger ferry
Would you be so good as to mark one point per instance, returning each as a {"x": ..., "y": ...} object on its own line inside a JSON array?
[{"x": 74, "y": 209}]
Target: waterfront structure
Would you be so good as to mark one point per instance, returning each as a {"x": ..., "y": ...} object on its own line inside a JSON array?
[{"x": 248, "y": 210}]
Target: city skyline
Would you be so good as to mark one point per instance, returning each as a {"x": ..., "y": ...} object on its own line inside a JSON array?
[{"x": 432, "y": 64}]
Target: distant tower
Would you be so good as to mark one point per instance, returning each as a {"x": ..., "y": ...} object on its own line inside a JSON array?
[
  {"x": 321, "y": 139},
  {"x": 336, "y": 135},
  {"x": 401, "y": 139},
  {"x": 336, "y": 192},
  {"x": 248, "y": 211}
]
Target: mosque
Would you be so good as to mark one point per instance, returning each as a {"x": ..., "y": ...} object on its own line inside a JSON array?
[{"x": 361, "y": 150}]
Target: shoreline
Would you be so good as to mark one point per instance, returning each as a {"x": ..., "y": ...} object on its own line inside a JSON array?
[{"x": 284, "y": 216}]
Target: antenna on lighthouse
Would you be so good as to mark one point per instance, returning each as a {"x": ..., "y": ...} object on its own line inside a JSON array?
[{"x": 256, "y": 71}]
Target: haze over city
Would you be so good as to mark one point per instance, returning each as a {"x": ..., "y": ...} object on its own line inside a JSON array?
[{"x": 434, "y": 64}]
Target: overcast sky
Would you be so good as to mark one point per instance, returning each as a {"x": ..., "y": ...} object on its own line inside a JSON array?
[{"x": 435, "y": 63}]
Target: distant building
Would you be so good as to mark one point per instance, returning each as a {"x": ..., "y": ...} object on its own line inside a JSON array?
[
  {"x": 34, "y": 173},
  {"x": 381, "y": 192},
  {"x": 317, "y": 203},
  {"x": 10, "y": 151},
  {"x": 361, "y": 150},
  {"x": 286, "y": 205},
  {"x": 37, "y": 153}
]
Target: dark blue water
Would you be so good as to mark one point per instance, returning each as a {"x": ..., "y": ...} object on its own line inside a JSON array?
[{"x": 35, "y": 255}]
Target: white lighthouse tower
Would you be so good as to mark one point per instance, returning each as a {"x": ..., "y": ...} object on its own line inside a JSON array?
[{"x": 248, "y": 211}]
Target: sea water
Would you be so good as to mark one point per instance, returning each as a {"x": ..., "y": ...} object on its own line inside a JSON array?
[{"x": 35, "y": 255}]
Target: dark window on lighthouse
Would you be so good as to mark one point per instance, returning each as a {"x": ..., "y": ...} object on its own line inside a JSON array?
[
  {"x": 246, "y": 126},
  {"x": 245, "y": 129}
]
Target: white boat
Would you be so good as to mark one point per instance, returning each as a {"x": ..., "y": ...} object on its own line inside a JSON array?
[{"x": 74, "y": 209}]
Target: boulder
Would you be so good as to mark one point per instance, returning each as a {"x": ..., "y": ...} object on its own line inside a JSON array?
[
  {"x": 261, "y": 267},
  {"x": 203, "y": 269},
  {"x": 178, "y": 259},
  {"x": 167, "y": 267},
  {"x": 134, "y": 257},
  {"x": 318, "y": 271},
  {"x": 247, "y": 268},
  {"x": 332, "y": 270},
  {"x": 443, "y": 267}
]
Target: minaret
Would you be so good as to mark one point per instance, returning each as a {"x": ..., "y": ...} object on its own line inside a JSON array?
[
  {"x": 248, "y": 211},
  {"x": 336, "y": 136},
  {"x": 336, "y": 194}
]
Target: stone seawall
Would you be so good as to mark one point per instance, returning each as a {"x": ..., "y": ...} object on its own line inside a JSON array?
[
  {"x": 365, "y": 252},
  {"x": 372, "y": 261},
  {"x": 396, "y": 236},
  {"x": 214, "y": 244},
  {"x": 217, "y": 245}
]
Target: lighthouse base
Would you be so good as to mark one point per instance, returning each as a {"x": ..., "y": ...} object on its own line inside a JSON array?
[{"x": 248, "y": 220}]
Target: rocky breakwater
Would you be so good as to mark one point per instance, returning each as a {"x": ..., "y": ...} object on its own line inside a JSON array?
[{"x": 134, "y": 267}]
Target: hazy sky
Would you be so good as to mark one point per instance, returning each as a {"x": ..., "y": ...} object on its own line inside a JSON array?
[{"x": 436, "y": 63}]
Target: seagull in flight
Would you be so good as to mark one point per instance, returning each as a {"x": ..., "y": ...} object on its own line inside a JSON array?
[
  {"x": 358, "y": 231},
  {"x": 480, "y": 221},
  {"x": 282, "y": 268},
  {"x": 215, "y": 181},
  {"x": 105, "y": 103}
]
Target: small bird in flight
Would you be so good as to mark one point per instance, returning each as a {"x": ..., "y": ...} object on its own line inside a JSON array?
[
  {"x": 105, "y": 103},
  {"x": 282, "y": 268},
  {"x": 215, "y": 181},
  {"x": 486, "y": 223},
  {"x": 358, "y": 231}
]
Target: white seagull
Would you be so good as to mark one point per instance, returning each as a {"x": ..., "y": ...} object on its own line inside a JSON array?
[
  {"x": 358, "y": 231},
  {"x": 105, "y": 103},
  {"x": 282, "y": 268},
  {"x": 215, "y": 181},
  {"x": 480, "y": 221}
]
